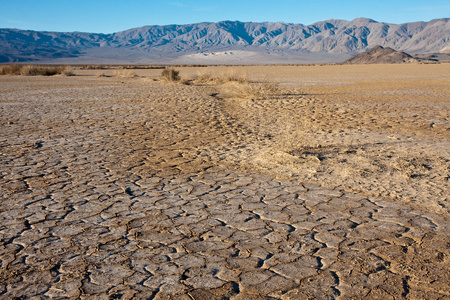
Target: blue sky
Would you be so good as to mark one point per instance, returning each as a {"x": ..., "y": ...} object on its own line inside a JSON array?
[{"x": 107, "y": 16}]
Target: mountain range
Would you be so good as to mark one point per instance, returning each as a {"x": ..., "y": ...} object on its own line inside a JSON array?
[{"x": 226, "y": 42}]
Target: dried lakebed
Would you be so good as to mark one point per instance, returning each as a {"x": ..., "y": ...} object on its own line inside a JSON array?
[{"x": 107, "y": 195}]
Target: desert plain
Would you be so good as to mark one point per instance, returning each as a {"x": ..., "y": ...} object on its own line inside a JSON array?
[{"x": 290, "y": 182}]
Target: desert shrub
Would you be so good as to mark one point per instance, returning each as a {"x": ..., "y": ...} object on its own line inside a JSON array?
[
  {"x": 32, "y": 70},
  {"x": 13, "y": 69},
  {"x": 230, "y": 84},
  {"x": 170, "y": 74},
  {"x": 93, "y": 67},
  {"x": 35, "y": 70},
  {"x": 230, "y": 76},
  {"x": 29, "y": 70},
  {"x": 101, "y": 74},
  {"x": 233, "y": 76},
  {"x": 125, "y": 74},
  {"x": 68, "y": 71},
  {"x": 199, "y": 79},
  {"x": 186, "y": 81},
  {"x": 250, "y": 90},
  {"x": 204, "y": 77}
]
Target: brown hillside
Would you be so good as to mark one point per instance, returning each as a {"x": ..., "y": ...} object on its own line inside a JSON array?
[{"x": 380, "y": 55}]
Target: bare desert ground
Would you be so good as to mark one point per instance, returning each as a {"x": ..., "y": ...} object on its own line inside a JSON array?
[{"x": 302, "y": 182}]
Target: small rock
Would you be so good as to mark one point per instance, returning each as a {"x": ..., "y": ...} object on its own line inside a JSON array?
[{"x": 37, "y": 145}]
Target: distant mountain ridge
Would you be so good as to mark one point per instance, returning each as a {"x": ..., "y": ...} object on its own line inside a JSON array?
[{"x": 262, "y": 40}]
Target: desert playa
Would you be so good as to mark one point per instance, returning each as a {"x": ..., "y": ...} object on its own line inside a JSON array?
[{"x": 242, "y": 182}]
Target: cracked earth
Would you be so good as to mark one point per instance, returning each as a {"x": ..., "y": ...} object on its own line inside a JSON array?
[{"x": 131, "y": 189}]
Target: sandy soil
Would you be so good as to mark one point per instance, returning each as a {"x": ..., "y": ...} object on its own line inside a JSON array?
[
  {"x": 378, "y": 129},
  {"x": 383, "y": 130},
  {"x": 336, "y": 186}
]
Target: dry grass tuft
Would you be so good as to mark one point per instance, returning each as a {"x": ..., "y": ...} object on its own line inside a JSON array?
[
  {"x": 230, "y": 76},
  {"x": 31, "y": 70},
  {"x": 93, "y": 67},
  {"x": 13, "y": 69},
  {"x": 233, "y": 76},
  {"x": 68, "y": 71},
  {"x": 202, "y": 79},
  {"x": 125, "y": 74},
  {"x": 205, "y": 78},
  {"x": 250, "y": 90},
  {"x": 236, "y": 85},
  {"x": 294, "y": 133},
  {"x": 101, "y": 74},
  {"x": 170, "y": 75},
  {"x": 35, "y": 70}
]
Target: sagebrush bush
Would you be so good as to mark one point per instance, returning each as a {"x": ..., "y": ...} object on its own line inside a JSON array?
[
  {"x": 13, "y": 69},
  {"x": 230, "y": 76},
  {"x": 231, "y": 84},
  {"x": 68, "y": 71},
  {"x": 125, "y": 73},
  {"x": 31, "y": 70},
  {"x": 250, "y": 90},
  {"x": 233, "y": 76},
  {"x": 170, "y": 74},
  {"x": 35, "y": 70}
]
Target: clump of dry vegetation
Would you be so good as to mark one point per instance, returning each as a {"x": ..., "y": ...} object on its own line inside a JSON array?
[
  {"x": 93, "y": 67},
  {"x": 233, "y": 76},
  {"x": 250, "y": 90},
  {"x": 233, "y": 84},
  {"x": 122, "y": 67},
  {"x": 124, "y": 74},
  {"x": 294, "y": 132},
  {"x": 101, "y": 74},
  {"x": 31, "y": 70},
  {"x": 238, "y": 86},
  {"x": 170, "y": 75},
  {"x": 35, "y": 70},
  {"x": 227, "y": 77},
  {"x": 13, "y": 69},
  {"x": 68, "y": 71}
]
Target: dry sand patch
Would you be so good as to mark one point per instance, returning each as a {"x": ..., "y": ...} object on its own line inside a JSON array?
[{"x": 379, "y": 129}]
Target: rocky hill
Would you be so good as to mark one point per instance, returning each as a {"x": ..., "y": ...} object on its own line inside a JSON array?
[
  {"x": 380, "y": 55},
  {"x": 227, "y": 41}
]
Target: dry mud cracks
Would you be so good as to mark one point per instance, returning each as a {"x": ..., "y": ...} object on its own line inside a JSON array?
[{"x": 108, "y": 195}]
